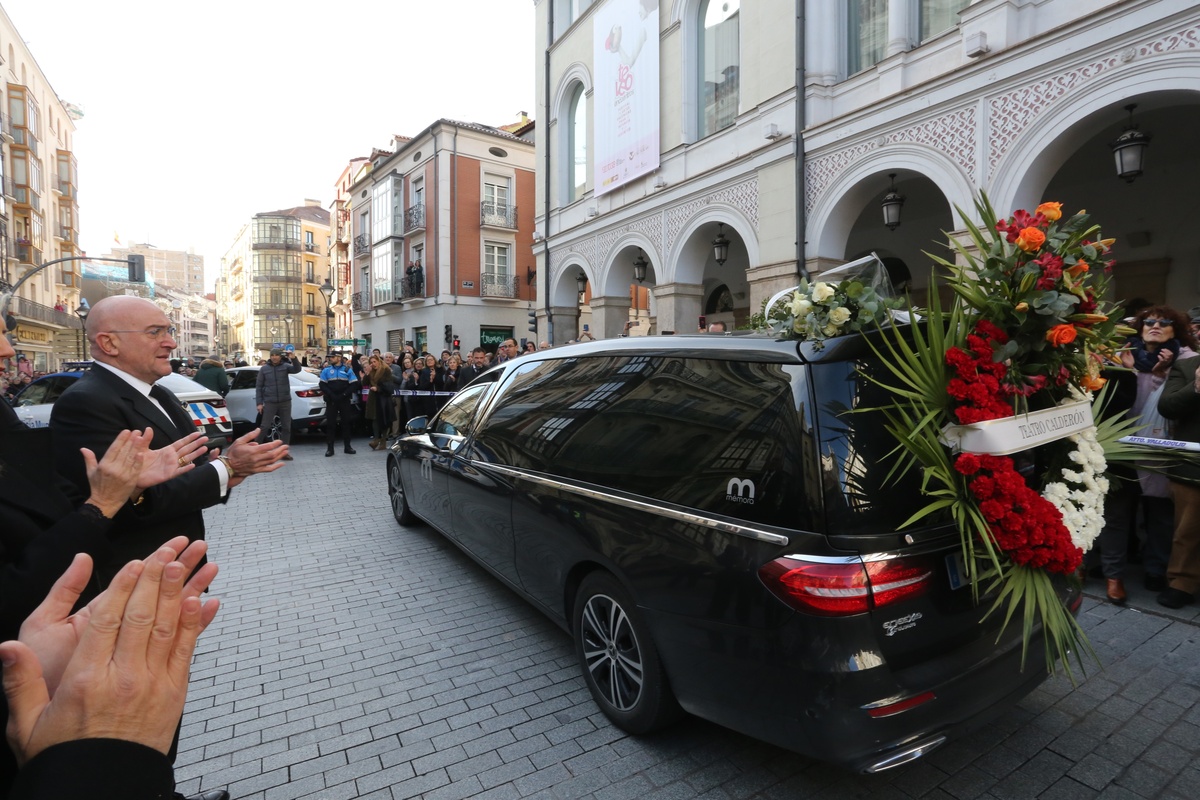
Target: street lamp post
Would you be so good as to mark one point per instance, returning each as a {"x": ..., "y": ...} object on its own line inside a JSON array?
[
  {"x": 326, "y": 289},
  {"x": 82, "y": 312}
]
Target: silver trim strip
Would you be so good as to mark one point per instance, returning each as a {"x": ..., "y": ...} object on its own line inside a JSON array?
[{"x": 681, "y": 516}]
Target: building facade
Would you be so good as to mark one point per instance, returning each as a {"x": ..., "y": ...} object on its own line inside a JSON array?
[
  {"x": 441, "y": 236},
  {"x": 39, "y": 210},
  {"x": 940, "y": 99},
  {"x": 180, "y": 270},
  {"x": 268, "y": 293},
  {"x": 341, "y": 303}
]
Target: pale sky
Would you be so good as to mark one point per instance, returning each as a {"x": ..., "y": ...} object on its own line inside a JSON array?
[{"x": 198, "y": 116}]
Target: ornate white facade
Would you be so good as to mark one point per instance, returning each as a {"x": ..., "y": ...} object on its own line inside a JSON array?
[{"x": 1017, "y": 98}]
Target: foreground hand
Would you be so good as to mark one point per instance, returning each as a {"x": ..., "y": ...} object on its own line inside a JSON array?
[
  {"x": 115, "y": 477},
  {"x": 52, "y": 632},
  {"x": 170, "y": 462},
  {"x": 248, "y": 458},
  {"x": 127, "y": 678}
]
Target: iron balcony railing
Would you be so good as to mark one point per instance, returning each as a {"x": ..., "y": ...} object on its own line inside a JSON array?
[
  {"x": 28, "y": 309},
  {"x": 362, "y": 244},
  {"x": 361, "y": 300},
  {"x": 411, "y": 285},
  {"x": 414, "y": 218},
  {"x": 499, "y": 284},
  {"x": 497, "y": 215}
]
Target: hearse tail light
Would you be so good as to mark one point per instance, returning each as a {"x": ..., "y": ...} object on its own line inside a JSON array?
[{"x": 842, "y": 589}]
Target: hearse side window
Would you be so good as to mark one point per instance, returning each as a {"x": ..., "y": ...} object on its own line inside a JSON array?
[
  {"x": 857, "y": 452},
  {"x": 455, "y": 417},
  {"x": 715, "y": 435}
]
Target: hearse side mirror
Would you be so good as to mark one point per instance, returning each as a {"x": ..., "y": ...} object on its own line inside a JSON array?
[{"x": 416, "y": 426}]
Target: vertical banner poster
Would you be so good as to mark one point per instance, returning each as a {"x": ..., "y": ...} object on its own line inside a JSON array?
[{"x": 626, "y": 92}]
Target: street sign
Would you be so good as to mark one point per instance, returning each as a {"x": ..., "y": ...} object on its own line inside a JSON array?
[{"x": 349, "y": 342}]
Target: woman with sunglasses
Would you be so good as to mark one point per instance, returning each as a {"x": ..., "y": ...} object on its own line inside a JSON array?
[{"x": 1162, "y": 338}]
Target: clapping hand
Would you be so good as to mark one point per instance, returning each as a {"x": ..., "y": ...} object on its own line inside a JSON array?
[
  {"x": 162, "y": 465},
  {"x": 123, "y": 662},
  {"x": 246, "y": 457}
]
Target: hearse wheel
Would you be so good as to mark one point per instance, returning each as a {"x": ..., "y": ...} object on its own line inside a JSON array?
[
  {"x": 618, "y": 658},
  {"x": 400, "y": 509}
]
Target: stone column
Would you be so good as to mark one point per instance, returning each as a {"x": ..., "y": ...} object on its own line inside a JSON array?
[
  {"x": 609, "y": 315},
  {"x": 678, "y": 306},
  {"x": 565, "y": 319}
]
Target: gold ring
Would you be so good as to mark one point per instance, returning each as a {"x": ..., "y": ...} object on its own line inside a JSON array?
[{"x": 182, "y": 462}]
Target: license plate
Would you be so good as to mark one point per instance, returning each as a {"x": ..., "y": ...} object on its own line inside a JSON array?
[{"x": 956, "y": 569}]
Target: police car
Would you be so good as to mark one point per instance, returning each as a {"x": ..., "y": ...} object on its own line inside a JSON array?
[{"x": 206, "y": 408}]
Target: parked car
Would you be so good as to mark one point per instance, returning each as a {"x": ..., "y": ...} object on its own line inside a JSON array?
[
  {"x": 717, "y": 534},
  {"x": 34, "y": 403},
  {"x": 308, "y": 401}
]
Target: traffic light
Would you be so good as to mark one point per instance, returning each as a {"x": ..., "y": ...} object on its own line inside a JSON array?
[
  {"x": 532, "y": 320},
  {"x": 449, "y": 334},
  {"x": 137, "y": 268},
  {"x": 457, "y": 343}
]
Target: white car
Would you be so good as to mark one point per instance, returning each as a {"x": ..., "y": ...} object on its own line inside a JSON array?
[
  {"x": 308, "y": 401},
  {"x": 34, "y": 403}
]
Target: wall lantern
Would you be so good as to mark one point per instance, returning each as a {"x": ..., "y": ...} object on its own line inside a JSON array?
[
  {"x": 893, "y": 201},
  {"x": 581, "y": 283},
  {"x": 639, "y": 267},
  {"x": 720, "y": 245},
  {"x": 1129, "y": 149}
]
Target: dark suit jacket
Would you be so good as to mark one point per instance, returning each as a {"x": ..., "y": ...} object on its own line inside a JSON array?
[
  {"x": 90, "y": 414},
  {"x": 1181, "y": 404},
  {"x": 98, "y": 769},
  {"x": 40, "y": 532}
]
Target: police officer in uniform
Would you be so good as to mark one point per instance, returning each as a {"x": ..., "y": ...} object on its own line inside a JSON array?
[{"x": 339, "y": 383}]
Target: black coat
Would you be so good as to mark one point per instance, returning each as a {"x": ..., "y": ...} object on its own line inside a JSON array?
[
  {"x": 90, "y": 414},
  {"x": 41, "y": 530}
]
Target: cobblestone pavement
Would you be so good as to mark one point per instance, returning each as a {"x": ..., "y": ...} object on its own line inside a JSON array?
[{"x": 353, "y": 658}]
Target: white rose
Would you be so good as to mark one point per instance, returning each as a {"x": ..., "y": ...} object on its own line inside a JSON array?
[
  {"x": 830, "y": 330},
  {"x": 839, "y": 315},
  {"x": 802, "y": 308},
  {"x": 822, "y": 292}
]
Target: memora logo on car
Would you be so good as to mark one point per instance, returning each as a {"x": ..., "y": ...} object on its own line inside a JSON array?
[
  {"x": 740, "y": 490},
  {"x": 894, "y": 626}
]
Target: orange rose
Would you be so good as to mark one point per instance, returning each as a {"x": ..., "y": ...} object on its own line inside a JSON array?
[
  {"x": 1030, "y": 239},
  {"x": 1060, "y": 335},
  {"x": 1051, "y": 211}
]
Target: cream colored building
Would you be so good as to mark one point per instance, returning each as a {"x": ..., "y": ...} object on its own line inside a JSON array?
[
  {"x": 268, "y": 293},
  {"x": 39, "y": 208},
  {"x": 183, "y": 271},
  {"x": 1022, "y": 100}
]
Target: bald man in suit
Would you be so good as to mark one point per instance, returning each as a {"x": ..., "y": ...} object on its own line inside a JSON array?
[{"x": 131, "y": 343}]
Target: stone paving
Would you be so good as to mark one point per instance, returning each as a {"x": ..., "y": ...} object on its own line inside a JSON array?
[{"x": 353, "y": 658}]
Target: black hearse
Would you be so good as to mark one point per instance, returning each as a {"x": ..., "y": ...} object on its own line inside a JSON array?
[{"x": 713, "y": 523}]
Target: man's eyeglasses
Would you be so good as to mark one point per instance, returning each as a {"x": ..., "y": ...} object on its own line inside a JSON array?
[
  {"x": 159, "y": 332},
  {"x": 1157, "y": 323}
]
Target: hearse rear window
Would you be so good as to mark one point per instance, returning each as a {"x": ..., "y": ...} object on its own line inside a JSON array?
[
  {"x": 858, "y": 452},
  {"x": 715, "y": 435}
]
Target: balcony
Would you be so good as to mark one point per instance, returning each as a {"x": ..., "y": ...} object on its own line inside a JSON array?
[
  {"x": 10, "y": 188},
  {"x": 27, "y": 309},
  {"x": 275, "y": 243},
  {"x": 310, "y": 247},
  {"x": 497, "y": 215},
  {"x": 414, "y": 218},
  {"x": 343, "y": 235},
  {"x": 312, "y": 342},
  {"x": 498, "y": 284},
  {"x": 66, "y": 189},
  {"x": 411, "y": 285},
  {"x": 362, "y": 244},
  {"x": 29, "y": 254},
  {"x": 361, "y": 301}
]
